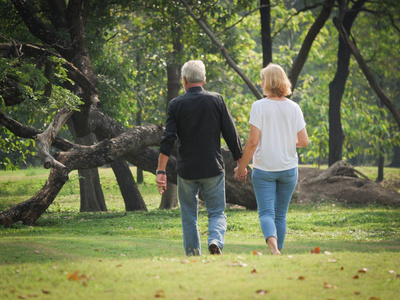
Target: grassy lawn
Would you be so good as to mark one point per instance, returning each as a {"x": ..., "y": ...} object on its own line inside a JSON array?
[{"x": 139, "y": 255}]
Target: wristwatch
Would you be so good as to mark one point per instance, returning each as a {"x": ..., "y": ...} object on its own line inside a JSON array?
[{"x": 160, "y": 172}]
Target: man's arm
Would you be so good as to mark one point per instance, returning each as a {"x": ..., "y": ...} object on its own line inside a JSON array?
[{"x": 230, "y": 133}]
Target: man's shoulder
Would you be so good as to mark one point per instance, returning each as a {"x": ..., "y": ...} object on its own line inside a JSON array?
[{"x": 212, "y": 94}]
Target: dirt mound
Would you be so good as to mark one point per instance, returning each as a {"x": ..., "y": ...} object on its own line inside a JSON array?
[{"x": 343, "y": 184}]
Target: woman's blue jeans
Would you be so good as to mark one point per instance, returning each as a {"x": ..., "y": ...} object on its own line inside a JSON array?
[
  {"x": 213, "y": 193},
  {"x": 273, "y": 192}
]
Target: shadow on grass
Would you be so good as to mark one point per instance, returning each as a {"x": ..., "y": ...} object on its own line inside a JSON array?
[
  {"x": 101, "y": 248},
  {"x": 306, "y": 247}
]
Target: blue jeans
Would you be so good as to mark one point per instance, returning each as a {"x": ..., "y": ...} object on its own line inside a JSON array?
[
  {"x": 273, "y": 192},
  {"x": 213, "y": 193}
]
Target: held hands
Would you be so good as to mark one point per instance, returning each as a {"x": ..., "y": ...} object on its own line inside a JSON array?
[
  {"x": 161, "y": 180},
  {"x": 241, "y": 177}
]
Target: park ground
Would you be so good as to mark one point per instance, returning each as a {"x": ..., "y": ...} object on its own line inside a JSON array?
[{"x": 333, "y": 250}]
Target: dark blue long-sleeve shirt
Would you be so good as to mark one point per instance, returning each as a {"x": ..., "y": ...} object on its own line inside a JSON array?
[{"x": 197, "y": 119}]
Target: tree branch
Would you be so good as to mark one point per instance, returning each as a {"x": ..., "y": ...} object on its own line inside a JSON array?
[
  {"x": 367, "y": 72},
  {"x": 223, "y": 50},
  {"x": 47, "y": 137},
  {"x": 74, "y": 73},
  {"x": 297, "y": 13},
  {"x": 308, "y": 41},
  {"x": 242, "y": 18},
  {"x": 40, "y": 30},
  {"x": 28, "y": 132}
]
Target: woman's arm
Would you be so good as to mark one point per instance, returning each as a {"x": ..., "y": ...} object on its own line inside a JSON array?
[
  {"x": 249, "y": 149},
  {"x": 302, "y": 138}
]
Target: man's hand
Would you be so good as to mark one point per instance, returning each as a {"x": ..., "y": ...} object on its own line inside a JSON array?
[{"x": 161, "y": 180}]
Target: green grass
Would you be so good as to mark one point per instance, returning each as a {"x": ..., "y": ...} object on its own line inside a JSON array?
[{"x": 139, "y": 255}]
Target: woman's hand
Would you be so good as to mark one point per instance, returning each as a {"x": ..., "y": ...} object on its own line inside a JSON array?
[{"x": 241, "y": 177}]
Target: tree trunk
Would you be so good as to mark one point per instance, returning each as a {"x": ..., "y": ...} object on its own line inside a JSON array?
[
  {"x": 266, "y": 40},
  {"x": 381, "y": 166},
  {"x": 29, "y": 211},
  {"x": 139, "y": 172},
  {"x": 134, "y": 146},
  {"x": 309, "y": 40},
  {"x": 91, "y": 193},
  {"x": 106, "y": 128},
  {"x": 337, "y": 86},
  {"x": 169, "y": 198},
  {"x": 129, "y": 190},
  {"x": 223, "y": 50},
  {"x": 396, "y": 157},
  {"x": 236, "y": 192},
  {"x": 385, "y": 100}
]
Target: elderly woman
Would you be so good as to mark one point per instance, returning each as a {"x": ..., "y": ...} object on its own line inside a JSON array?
[{"x": 277, "y": 127}]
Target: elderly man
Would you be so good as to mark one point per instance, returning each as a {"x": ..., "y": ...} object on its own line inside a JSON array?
[{"x": 197, "y": 118}]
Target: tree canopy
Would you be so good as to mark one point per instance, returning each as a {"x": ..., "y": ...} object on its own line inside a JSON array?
[{"x": 111, "y": 65}]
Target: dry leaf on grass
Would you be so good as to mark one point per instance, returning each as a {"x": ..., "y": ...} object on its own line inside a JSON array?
[
  {"x": 159, "y": 294},
  {"x": 75, "y": 277},
  {"x": 262, "y": 292},
  {"x": 256, "y": 253},
  {"x": 329, "y": 286},
  {"x": 363, "y": 270},
  {"x": 237, "y": 264},
  {"x": 317, "y": 250}
]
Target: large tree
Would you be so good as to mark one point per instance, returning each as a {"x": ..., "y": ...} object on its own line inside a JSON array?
[
  {"x": 65, "y": 42},
  {"x": 63, "y": 35}
]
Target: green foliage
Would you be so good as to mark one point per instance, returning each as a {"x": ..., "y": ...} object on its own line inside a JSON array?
[
  {"x": 36, "y": 109},
  {"x": 131, "y": 44}
]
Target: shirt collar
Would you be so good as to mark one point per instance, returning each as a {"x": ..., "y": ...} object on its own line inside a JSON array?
[{"x": 194, "y": 89}]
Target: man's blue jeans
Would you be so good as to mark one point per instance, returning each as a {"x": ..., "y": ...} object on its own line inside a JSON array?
[
  {"x": 213, "y": 193},
  {"x": 273, "y": 192}
]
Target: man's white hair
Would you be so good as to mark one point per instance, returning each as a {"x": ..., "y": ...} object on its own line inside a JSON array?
[{"x": 194, "y": 71}]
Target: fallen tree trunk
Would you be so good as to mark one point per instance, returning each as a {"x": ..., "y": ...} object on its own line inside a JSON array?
[
  {"x": 30, "y": 210},
  {"x": 342, "y": 183},
  {"x": 236, "y": 192},
  {"x": 135, "y": 146}
]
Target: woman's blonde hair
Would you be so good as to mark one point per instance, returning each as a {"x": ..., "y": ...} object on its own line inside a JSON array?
[{"x": 276, "y": 83}]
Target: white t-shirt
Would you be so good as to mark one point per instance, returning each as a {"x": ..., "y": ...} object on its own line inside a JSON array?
[{"x": 279, "y": 123}]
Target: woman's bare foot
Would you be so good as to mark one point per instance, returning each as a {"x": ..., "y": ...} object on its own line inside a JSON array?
[{"x": 272, "y": 243}]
